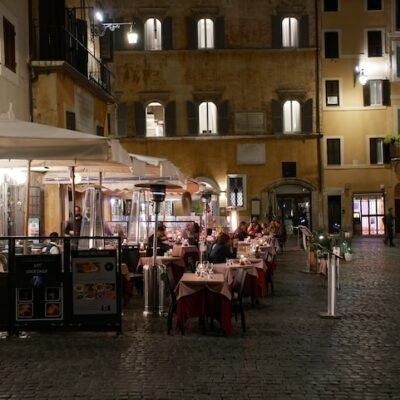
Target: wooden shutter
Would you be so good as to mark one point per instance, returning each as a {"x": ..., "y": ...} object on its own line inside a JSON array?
[
  {"x": 373, "y": 153},
  {"x": 106, "y": 46},
  {"x": 307, "y": 117},
  {"x": 140, "y": 119},
  {"x": 304, "y": 35},
  {"x": 333, "y": 151},
  {"x": 191, "y": 31},
  {"x": 367, "y": 94},
  {"x": 374, "y": 43},
  {"x": 276, "y": 24},
  {"x": 9, "y": 45},
  {"x": 70, "y": 121},
  {"x": 386, "y": 153},
  {"x": 277, "y": 123},
  {"x": 219, "y": 33},
  {"x": 223, "y": 118},
  {"x": 122, "y": 121},
  {"x": 166, "y": 33},
  {"x": 331, "y": 43},
  {"x": 192, "y": 118},
  {"x": 170, "y": 119},
  {"x": 386, "y": 92}
]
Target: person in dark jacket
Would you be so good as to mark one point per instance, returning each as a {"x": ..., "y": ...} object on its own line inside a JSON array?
[
  {"x": 162, "y": 245},
  {"x": 388, "y": 220},
  {"x": 221, "y": 249}
]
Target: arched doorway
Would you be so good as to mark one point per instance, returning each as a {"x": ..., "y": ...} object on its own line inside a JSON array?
[{"x": 291, "y": 200}]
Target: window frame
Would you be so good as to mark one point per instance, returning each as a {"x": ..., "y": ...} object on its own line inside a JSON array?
[
  {"x": 228, "y": 191},
  {"x": 382, "y": 42},
  {"x": 208, "y": 131},
  {"x": 288, "y": 164},
  {"x": 205, "y": 19},
  {"x": 5, "y": 71},
  {"x": 396, "y": 15},
  {"x": 294, "y": 39},
  {"x": 149, "y": 104},
  {"x": 373, "y": 9},
  {"x": 340, "y": 155},
  {"x": 147, "y": 45},
  {"x": 385, "y": 155},
  {"x": 338, "y": 32},
  {"x": 337, "y": 8},
  {"x": 292, "y": 131},
  {"x": 327, "y": 104}
]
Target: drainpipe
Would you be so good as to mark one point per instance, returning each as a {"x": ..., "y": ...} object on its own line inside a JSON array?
[
  {"x": 31, "y": 34},
  {"x": 318, "y": 108}
]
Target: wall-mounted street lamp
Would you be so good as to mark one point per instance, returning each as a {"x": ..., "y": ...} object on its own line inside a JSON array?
[{"x": 360, "y": 75}]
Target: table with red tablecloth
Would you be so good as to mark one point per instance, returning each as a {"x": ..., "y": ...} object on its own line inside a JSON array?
[
  {"x": 200, "y": 297},
  {"x": 177, "y": 264},
  {"x": 189, "y": 253}
]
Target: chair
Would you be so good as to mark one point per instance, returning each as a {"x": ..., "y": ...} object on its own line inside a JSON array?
[
  {"x": 130, "y": 255},
  {"x": 168, "y": 279},
  {"x": 271, "y": 266},
  {"x": 237, "y": 305}
]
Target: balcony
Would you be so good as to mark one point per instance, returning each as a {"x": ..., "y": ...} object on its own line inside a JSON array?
[{"x": 52, "y": 45}]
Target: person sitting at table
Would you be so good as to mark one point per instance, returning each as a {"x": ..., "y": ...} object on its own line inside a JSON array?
[
  {"x": 162, "y": 242},
  {"x": 241, "y": 231},
  {"x": 52, "y": 245},
  {"x": 221, "y": 249},
  {"x": 265, "y": 229},
  {"x": 274, "y": 227},
  {"x": 254, "y": 228}
]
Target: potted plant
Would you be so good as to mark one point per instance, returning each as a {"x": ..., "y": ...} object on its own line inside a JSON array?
[
  {"x": 347, "y": 249},
  {"x": 394, "y": 142}
]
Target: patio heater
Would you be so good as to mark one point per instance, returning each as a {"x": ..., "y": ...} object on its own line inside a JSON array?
[
  {"x": 205, "y": 197},
  {"x": 152, "y": 277}
]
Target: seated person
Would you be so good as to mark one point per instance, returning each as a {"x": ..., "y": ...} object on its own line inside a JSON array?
[
  {"x": 162, "y": 242},
  {"x": 221, "y": 250},
  {"x": 52, "y": 246},
  {"x": 241, "y": 231},
  {"x": 254, "y": 228},
  {"x": 274, "y": 227}
]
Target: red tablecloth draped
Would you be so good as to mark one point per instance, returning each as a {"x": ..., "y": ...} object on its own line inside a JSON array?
[
  {"x": 255, "y": 287},
  {"x": 202, "y": 303}
]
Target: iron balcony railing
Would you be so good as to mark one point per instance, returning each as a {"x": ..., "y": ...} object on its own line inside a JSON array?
[{"x": 55, "y": 43}]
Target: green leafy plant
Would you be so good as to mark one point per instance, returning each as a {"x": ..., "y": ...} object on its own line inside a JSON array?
[
  {"x": 390, "y": 139},
  {"x": 320, "y": 238}
]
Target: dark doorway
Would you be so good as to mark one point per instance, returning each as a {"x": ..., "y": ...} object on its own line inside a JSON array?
[
  {"x": 397, "y": 215},
  {"x": 334, "y": 214},
  {"x": 294, "y": 210}
]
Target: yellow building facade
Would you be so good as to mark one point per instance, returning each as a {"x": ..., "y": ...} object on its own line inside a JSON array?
[{"x": 360, "y": 103}]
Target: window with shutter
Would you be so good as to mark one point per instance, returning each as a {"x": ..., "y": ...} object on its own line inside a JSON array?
[
  {"x": 191, "y": 32},
  {"x": 140, "y": 119},
  {"x": 290, "y": 32},
  {"x": 192, "y": 118},
  {"x": 207, "y": 118},
  {"x": 166, "y": 36},
  {"x": 333, "y": 152},
  {"x": 375, "y": 87},
  {"x": 205, "y": 33},
  {"x": 9, "y": 45},
  {"x": 170, "y": 119},
  {"x": 332, "y": 92},
  {"x": 374, "y": 39},
  {"x": 154, "y": 120},
  {"x": 152, "y": 34},
  {"x": 331, "y": 43},
  {"x": 291, "y": 116},
  {"x": 331, "y": 5},
  {"x": 70, "y": 121},
  {"x": 220, "y": 32},
  {"x": 289, "y": 169},
  {"x": 379, "y": 151},
  {"x": 122, "y": 122}
]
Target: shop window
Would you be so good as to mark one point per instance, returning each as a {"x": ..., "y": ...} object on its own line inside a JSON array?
[
  {"x": 289, "y": 169},
  {"x": 290, "y": 34},
  {"x": 333, "y": 151},
  {"x": 379, "y": 151},
  {"x": 332, "y": 92},
  {"x": 331, "y": 44},
  {"x": 236, "y": 191},
  {"x": 291, "y": 116},
  {"x": 9, "y": 45},
  {"x": 331, "y": 5},
  {"x": 154, "y": 120},
  {"x": 368, "y": 211},
  {"x": 205, "y": 33},
  {"x": 152, "y": 34},
  {"x": 207, "y": 118},
  {"x": 375, "y": 46}
]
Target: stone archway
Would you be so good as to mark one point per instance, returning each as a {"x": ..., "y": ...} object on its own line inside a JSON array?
[{"x": 292, "y": 200}]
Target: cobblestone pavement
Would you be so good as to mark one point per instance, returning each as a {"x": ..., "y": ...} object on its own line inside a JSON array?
[{"x": 288, "y": 352}]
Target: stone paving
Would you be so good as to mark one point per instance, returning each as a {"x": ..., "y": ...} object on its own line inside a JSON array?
[{"x": 288, "y": 351}]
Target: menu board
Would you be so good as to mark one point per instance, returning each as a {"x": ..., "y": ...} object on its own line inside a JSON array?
[
  {"x": 39, "y": 288},
  {"x": 94, "y": 282}
]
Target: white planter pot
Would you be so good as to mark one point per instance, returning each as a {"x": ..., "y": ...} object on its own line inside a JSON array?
[{"x": 348, "y": 257}]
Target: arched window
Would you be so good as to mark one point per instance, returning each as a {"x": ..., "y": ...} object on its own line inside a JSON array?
[
  {"x": 152, "y": 34},
  {"x": 291, "y": 116},
  {"x": 207, "y": 118},
  {"x": 154, "y": 120},
  {"x": 205, "y": 33},
  {"x": 290, "y": 32}
]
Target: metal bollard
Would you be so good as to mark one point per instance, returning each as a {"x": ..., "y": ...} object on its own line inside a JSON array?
[{"x": 332, "y": 264}]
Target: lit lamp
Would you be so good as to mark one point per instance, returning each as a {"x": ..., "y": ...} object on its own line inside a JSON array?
[
  {"x": 360, "y": 74},
  {"x": 158, "y": 192}
]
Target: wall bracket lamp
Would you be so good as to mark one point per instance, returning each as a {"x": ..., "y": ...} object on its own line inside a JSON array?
[{"x": 360, "y": 75}]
